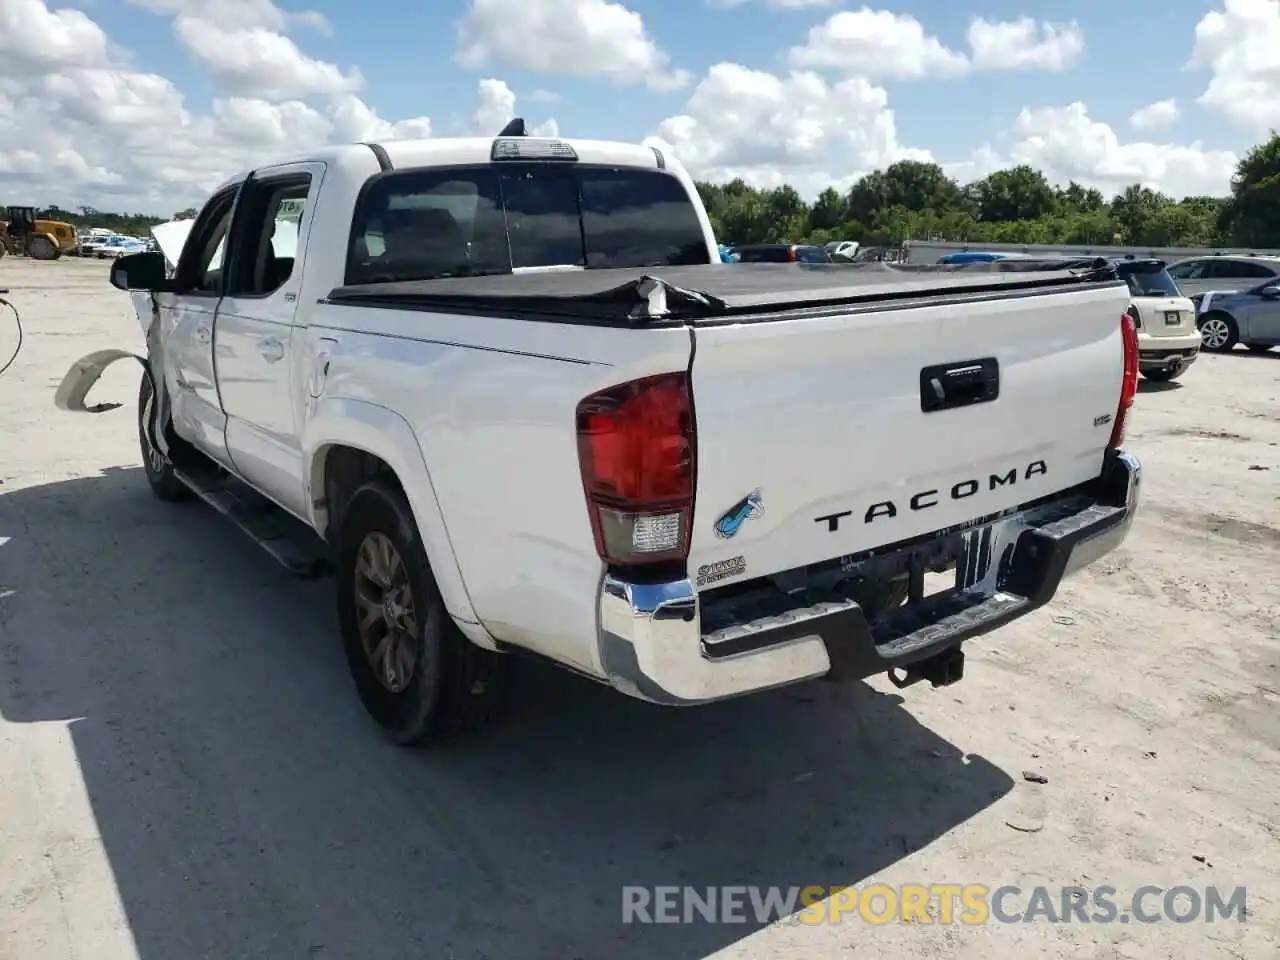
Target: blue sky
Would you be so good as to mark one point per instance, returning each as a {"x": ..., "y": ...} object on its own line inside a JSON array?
[
  {"x": 967, "y": 119},
  {"x": 406, "y": 52}
]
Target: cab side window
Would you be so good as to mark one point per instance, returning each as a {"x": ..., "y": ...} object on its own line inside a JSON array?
[
  {"x": 202, "y": 254},
  {"x": 266, "y": 235}
]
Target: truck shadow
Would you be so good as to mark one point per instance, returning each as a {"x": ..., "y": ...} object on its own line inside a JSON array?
[
  {"x": 1157, "y": 386},
  {"x": 247, "y": 807}
]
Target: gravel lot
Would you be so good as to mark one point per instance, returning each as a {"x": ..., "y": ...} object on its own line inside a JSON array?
[{"x": 185, "y": 771}]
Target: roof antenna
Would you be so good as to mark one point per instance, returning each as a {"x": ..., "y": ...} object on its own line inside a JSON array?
[{"x": 515, "y": 128}]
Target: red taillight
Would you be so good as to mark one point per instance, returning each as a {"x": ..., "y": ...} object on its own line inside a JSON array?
[
  {"x": 1129, "y": 387},
  {"x": 637, "y": 452},
  {"x": 791, "y": 254}
]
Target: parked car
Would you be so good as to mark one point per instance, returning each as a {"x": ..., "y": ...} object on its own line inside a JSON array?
[
  {"x": 1168, "y": 341},
  {"x": 596, "y": 444},
  {"x": 1251, "y": 317},
  {"x": 781, "y": 253},
  {"x": 114, "y": 246},
  {"x": 842, "y": 250},
  {"x": 982, "y": 256},
  {"x": 1223, "y": 272}
]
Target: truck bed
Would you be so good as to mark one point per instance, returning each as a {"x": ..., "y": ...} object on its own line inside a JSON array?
[{"x": 710, "y": 293}]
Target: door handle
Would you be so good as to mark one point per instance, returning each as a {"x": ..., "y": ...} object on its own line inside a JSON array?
[
  {"x": 271, "y": 349},
  {"x": 204, "y": 334},
  {"x": 950, "y": 385}
]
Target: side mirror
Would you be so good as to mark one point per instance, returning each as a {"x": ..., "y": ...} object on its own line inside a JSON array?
[
  {"x": 140, "y": 271},
  {"x": 1270, "y": 293}
]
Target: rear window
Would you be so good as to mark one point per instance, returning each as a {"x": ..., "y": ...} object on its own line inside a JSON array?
[
  {"x": 1149, "y": 282},
  {"x": 428, "y": 224}
]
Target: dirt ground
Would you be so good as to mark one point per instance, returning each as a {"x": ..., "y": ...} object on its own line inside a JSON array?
[{"x": 185, "y": 770}]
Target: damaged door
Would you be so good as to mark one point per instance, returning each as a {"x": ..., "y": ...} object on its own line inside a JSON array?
[
  {"x": 188, "y": 334},
  {"x": 257, "y": 362}
]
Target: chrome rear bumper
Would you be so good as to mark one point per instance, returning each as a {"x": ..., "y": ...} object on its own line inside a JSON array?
[{"x": 653, "y": 644}]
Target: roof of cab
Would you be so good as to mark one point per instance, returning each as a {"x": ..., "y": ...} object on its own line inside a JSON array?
[{"x": 458, "y": 151}]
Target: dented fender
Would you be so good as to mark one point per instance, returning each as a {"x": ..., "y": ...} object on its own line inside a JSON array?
[{"x": 86, "y": 372}]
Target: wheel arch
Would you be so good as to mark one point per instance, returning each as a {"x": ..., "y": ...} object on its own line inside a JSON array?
[{"x": 345, "y": 443}]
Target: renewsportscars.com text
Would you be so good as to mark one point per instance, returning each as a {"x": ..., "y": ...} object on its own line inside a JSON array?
[{"x": 938, "y": 903}]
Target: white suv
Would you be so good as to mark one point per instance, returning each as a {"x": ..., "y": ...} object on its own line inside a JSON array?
[{"x": 1168, "y": 340}]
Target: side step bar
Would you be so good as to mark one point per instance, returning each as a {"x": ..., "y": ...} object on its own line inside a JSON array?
[{"x": 294, "y": 546}]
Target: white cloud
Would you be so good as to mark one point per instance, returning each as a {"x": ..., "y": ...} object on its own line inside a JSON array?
[
  {"x": 774, "y": 4},
  {"x": 583, "y": 38},
  {"x": 1024, "y": 44},
  {"x": 1153, "y": 116},
  {"x": 262, "y": 62},
  {"x": 769, "y": 129},
  {"x": 1066, "y": 144},
  {"x": 78, "y": 126},
  {"x": 1240, "y": 46},
  {"x": 238, "y": 14},
  {"x": 879, "y": 43},
  {"x": 495, "y": 108},
  {"x": 33, "y": 37}
]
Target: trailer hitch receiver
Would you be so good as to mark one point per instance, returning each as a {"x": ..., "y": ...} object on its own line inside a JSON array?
[{"x": 941, "y": 670}]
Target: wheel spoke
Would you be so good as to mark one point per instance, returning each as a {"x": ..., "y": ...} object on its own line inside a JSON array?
[
  {"x": 370, "y": 609},
  {"x": 367, "y": 567},
  {"x": 379, "y": 653},
  {"x": 404, "y": 657},
  {"x": 387, "y": 559},
  {"x": 409, "y": 621}
]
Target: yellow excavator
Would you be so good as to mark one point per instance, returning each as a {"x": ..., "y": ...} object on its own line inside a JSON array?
[{"x": 25, "y": 235}]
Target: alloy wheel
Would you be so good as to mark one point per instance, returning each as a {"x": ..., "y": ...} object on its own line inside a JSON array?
[
  {"x": 1214, "y": 333},
  {"x": 387, "y": 618}
]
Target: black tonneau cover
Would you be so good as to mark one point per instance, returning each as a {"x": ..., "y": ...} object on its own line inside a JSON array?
[{"x": 719, "y": 291}]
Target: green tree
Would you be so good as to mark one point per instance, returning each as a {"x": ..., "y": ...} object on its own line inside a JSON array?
[
  {"x": 1251, "y": 217},
  {"x": 1019, "y": 193}
]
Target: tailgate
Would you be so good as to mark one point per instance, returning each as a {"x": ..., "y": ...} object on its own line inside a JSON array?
[{"x": 813, "y": 444}]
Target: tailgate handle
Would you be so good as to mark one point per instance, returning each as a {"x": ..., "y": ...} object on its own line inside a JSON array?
[{"x": 963, "y": 384}]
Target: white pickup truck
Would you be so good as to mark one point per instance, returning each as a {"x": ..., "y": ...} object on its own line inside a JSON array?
[{"x": 505, "y": 391}]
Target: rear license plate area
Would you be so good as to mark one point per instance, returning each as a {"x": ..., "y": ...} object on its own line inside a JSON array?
[
  {"x": 1172, "y": 318},
  {"x": 953, "y": 562}
]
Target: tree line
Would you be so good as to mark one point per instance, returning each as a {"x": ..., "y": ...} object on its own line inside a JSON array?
[
  {"x": 910, "y": 200},
  {"x": 127, "y": 224}
]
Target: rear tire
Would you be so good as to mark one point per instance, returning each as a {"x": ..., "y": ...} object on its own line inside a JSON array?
[
  {"x": 434, "y": 683},
  {"x": 161, "y": 477},
  {"x": 1218, "y": 332},
  {"x": 42, "y": 248},
  {"x": 1161, "y": 375}
]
